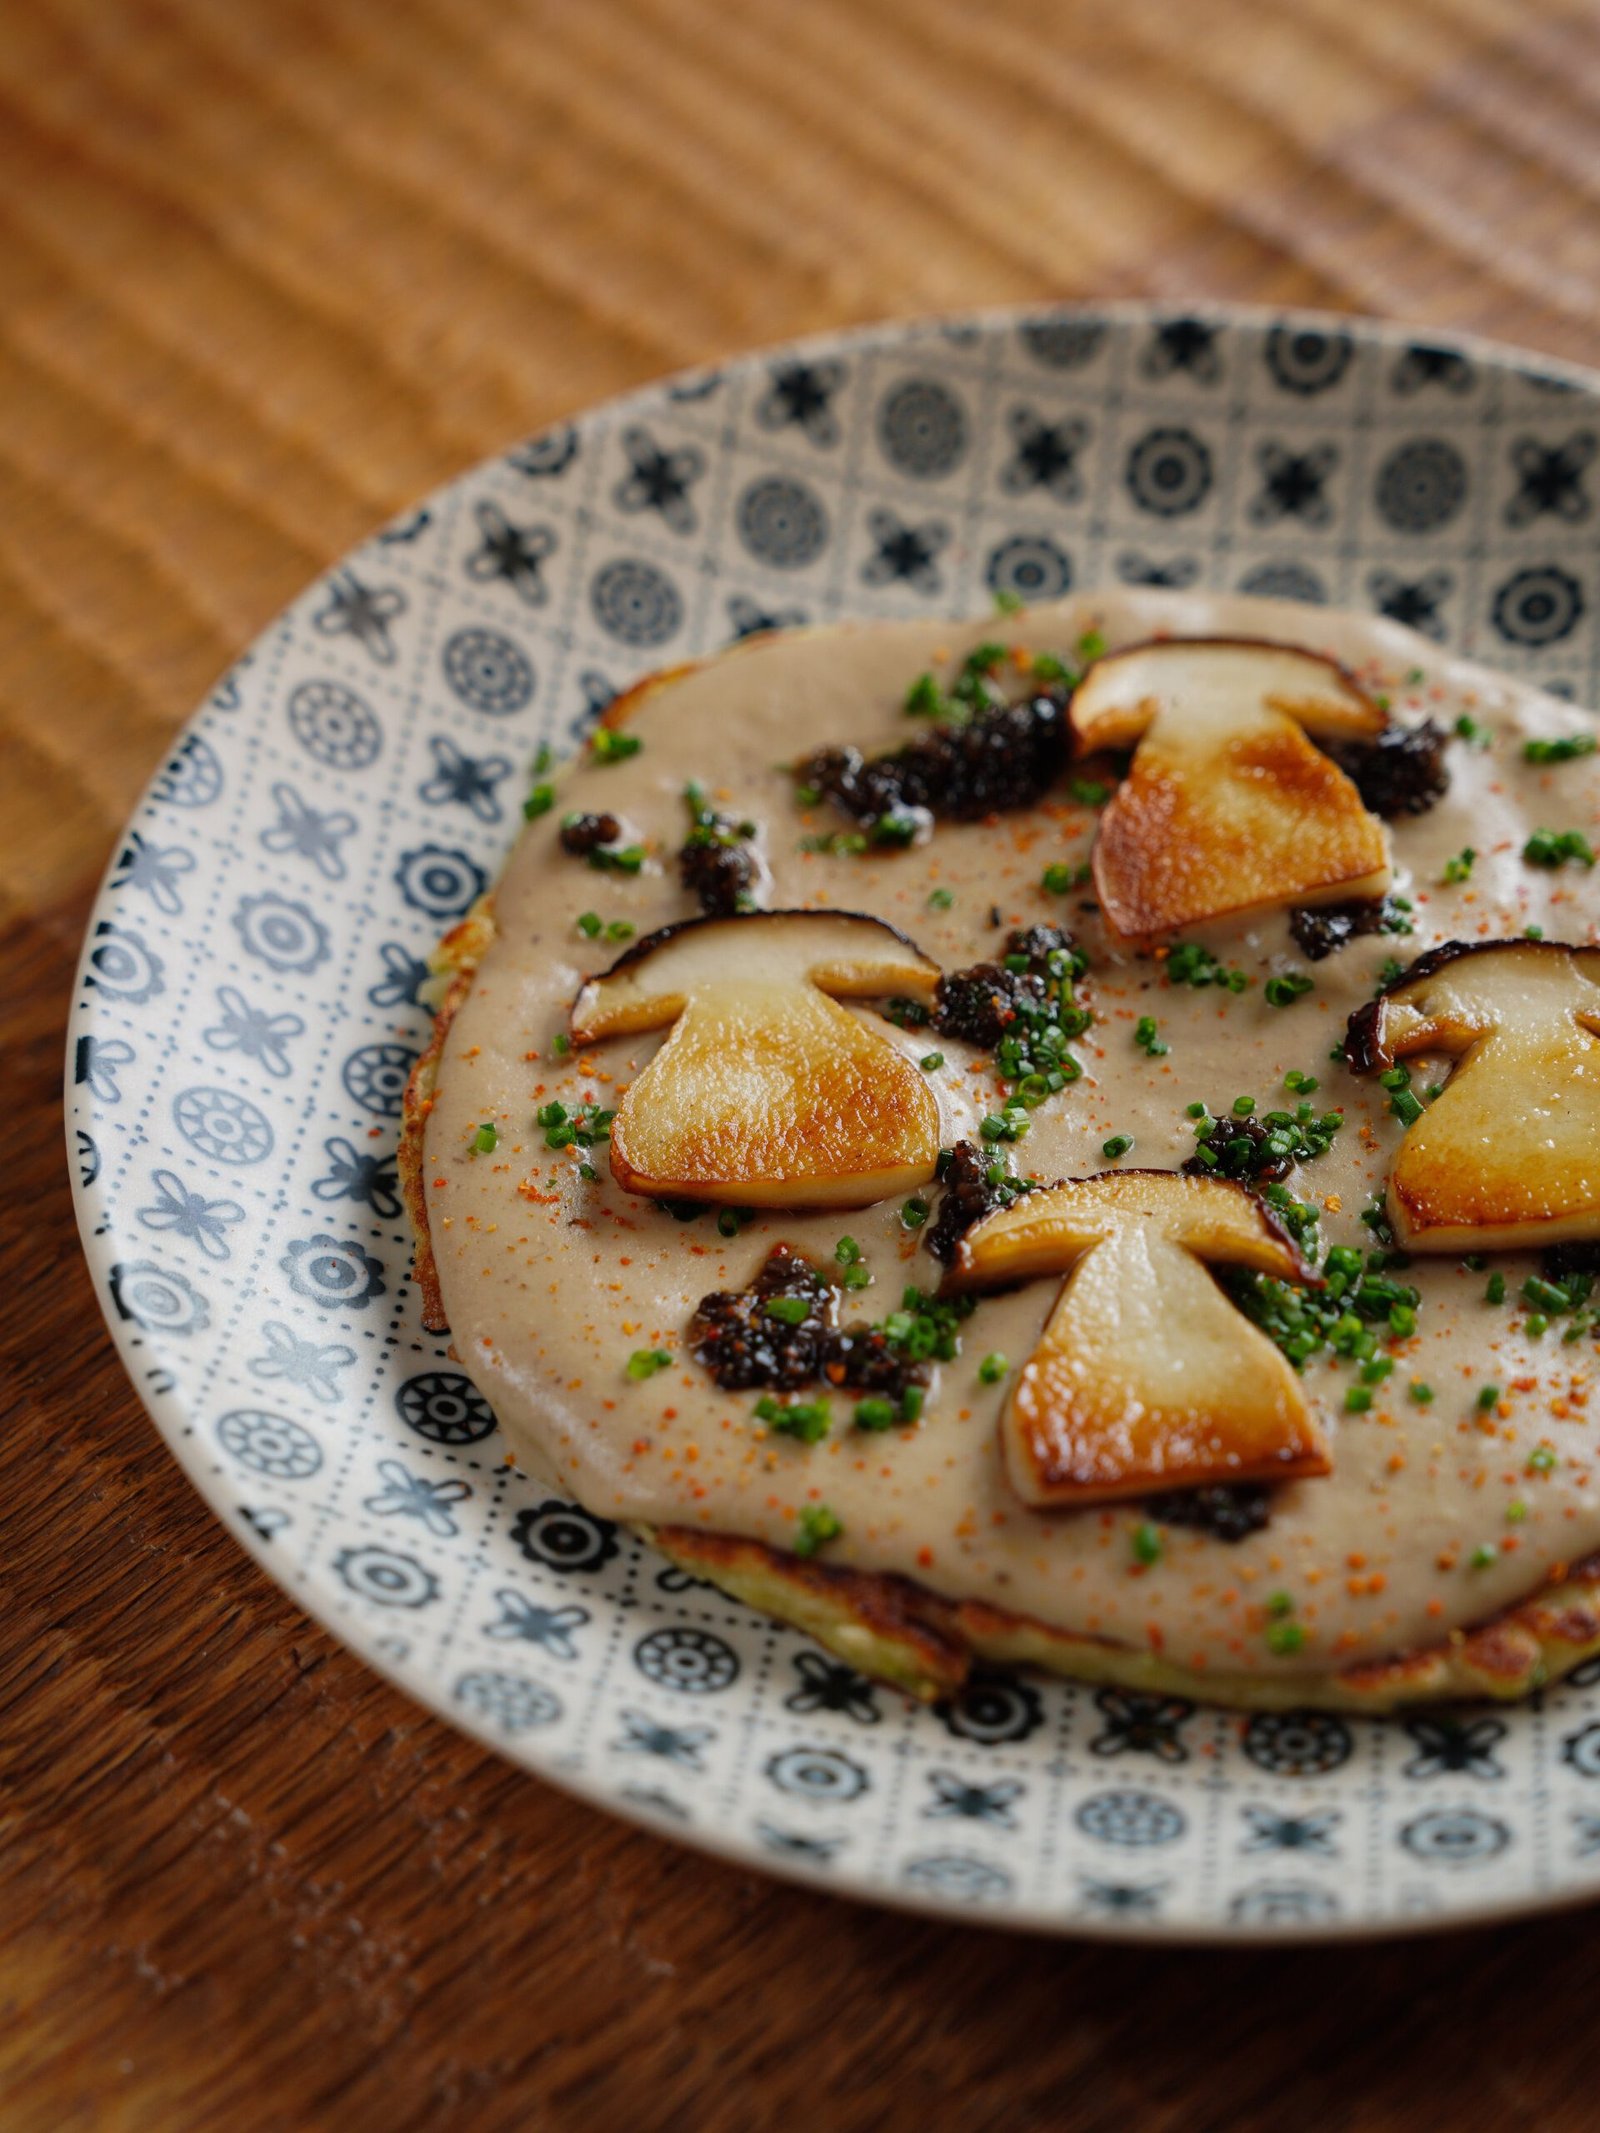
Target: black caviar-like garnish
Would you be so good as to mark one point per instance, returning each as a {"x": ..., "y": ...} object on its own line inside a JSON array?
[
  {"x": 1322, "y": 928},
  {"x": 714, "y": 864},
  {"x": 745, "y": 1344},
  {"x": 1228, "y": 1511},
  {"x": 1556, "y": 1261},
  {"x": 976, "y": 1183},
  {"x": 1021, "y": 1007},
  {"x": 582, "y": 834},
  {"x": 1400, "y": 772},
  {"x": 719, "y": 876},
  {"x": 1003, "y": 757}
]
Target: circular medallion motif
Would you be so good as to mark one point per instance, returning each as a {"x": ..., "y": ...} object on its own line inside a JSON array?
[
  {"x": 922, "y": 429},
  {"x": 563, "y": 1537},
  {"x": 227, "y": 1128},
  {"x": 782, "y": 523},
  {"x": 281, "y": 933},
  {"x": 1131, "y": 1819},
  {"x": 1421, "y": 486},
  {"x": 817, "y": 1774},
  {"x": 1169, "y": 472},
  {"x": 690, "y": 1662},
  {"x": 269, "y": 1444},
  {"x": 1297, "y": 1743},
  {"x": 1031, "y": 566},
  {"x": 636, "y": 603},
  {"x": 386, "y": 1577},
  {"x": 488, "y": 671},
  {"x": 444, "y": 1407},
  {"x": 508, "y": 1701},
  {"x": 1538, "y": 607},
  {"x": 1307, "y": 360},
  {"x": 334, "y": 725}
]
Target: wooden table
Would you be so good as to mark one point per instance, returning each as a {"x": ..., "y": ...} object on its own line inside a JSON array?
[{"x": 268, "y": 269}]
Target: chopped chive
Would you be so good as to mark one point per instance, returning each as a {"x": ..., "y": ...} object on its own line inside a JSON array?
[
  {"x": 1280, "y": 1604},
  {"x": 1542, "y": 1460},
  {"x": 1549, "y": 848},
  {"x": 1146, "y": 1543},
  {"x": 1468, "y": 730},
  {"x": 788, "y": 1310},
  {"x": 1243, "y": 1106},
  {"x": 930, "y": 1062},
  {"x": 1494, "y": 1290},
  {"x": 1118, "y": 1145},
  {"x": 847, "y": 1252},
  {"x": 588, "y": 923},
  {"x": 876, "y": 1413},
  {"x": 607, "y": 745},
  {"x": 645, "y": 1362},
  {"x": 1561, "y": 751},
  {"x": 486, "y": 1139},
  {"x": 940, "y": 899},
  {"x": 808, "y": 1420},
  {"x": 620, "y": 929},
  {"x": 1460, "y": 867},
  {"x": 561, "y": 1043},
  {"x": 1488, "y": 1398},
  {"x": 1299, "y": 1084},
  {"x": 914, "y": 1213},
  {"x": 539, "y": 802},
  {"x": 1516, "y": 1511},
  {"x": 1483, "y": 1555},
  {"x": 1148, "y": 1038},
  {"x": 1419, "y": 1392},
  {"x": 1089, "y": 792},
  {"x": 729, "y": 1222},
  {"x": 1285, "y": 1638},
  {"x": 1357, "y": 1399},
  {"x": 992, "y": 1369},
  {"x": 816, "y": 1525},
  {"x": 1007, "y": 602},
  {"x": 1287, "y": 987}
]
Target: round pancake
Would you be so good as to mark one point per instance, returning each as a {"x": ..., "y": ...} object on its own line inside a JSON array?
[{"x": 1431, "y": 1524}]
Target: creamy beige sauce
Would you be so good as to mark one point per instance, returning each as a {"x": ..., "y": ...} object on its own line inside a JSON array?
[{"x": 552, "y": 1281}]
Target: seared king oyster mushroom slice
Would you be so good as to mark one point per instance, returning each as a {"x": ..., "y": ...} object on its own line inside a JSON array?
[
  {"x": 767, "y": 1093},
  {"x": 1145, "y": 1376},
  {"x": 1508, "y": 1156},
  {"x": 1227, "y": 806}
]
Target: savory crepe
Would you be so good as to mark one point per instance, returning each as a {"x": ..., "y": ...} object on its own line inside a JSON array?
[{"x": 1069, "y": 1138}]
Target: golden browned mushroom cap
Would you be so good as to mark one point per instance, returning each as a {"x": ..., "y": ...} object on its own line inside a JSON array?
[
  {"x": 767, "y": 1093},
  {"x": 1145, "y": 1376},
  {"x": 1227, "y": 806},
  {"x": 1508, "y": 1158}
]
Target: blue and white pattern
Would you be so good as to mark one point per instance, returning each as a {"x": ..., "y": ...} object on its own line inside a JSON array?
[{"x": 247, "y": 1016}]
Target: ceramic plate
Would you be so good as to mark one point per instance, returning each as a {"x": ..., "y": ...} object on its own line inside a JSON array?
[{"x": 246, "y": 1017}]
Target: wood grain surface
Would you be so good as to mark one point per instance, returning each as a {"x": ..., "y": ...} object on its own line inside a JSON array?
[{"x": 269, "y": 269}]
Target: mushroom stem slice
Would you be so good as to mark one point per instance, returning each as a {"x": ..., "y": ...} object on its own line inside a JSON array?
[
  {"x": 1227, "y": 806},
  {"x": 767, "y": 1093},
  {"x": 1507, "y": 1158},
  {"x": 1145, "y": 1375}
]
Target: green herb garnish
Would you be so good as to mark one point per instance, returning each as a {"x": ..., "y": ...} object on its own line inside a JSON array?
[{"x": 816, "y": 1525}]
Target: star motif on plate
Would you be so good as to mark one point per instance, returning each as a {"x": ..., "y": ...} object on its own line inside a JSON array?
[{"x": 365, "y": 612}]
